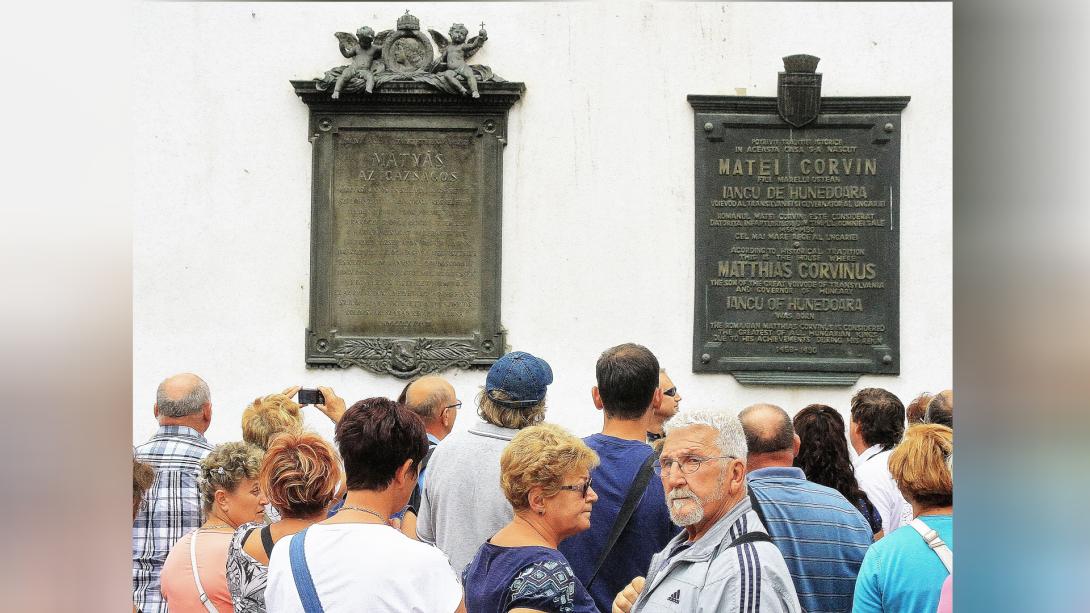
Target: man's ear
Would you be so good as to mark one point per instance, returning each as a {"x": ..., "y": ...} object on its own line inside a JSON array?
[
  {"x": 656, "y": 400},
  {"x": 206, "y": 413},
  {"x": 795, "y": 446},
  {"x": 597, "y": 398},
  {"x": 737, "y": 476},
  {"x": 155, "y": 410}
]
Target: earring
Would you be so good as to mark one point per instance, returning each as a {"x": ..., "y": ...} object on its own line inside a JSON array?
[{"x": 541, "y": 511}]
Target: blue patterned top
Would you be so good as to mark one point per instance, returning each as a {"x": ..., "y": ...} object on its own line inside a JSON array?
[{"x": 503, "y": 578}]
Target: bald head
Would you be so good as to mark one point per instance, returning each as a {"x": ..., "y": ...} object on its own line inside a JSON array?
[
  {"x": 182, "y": 395},
  {"x": 431, "y": 397},
  {"x": 769, "y": 432},
  {"x": 941, "y": 409}
]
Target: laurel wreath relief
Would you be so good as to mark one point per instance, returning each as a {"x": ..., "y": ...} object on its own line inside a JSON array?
[{"x": 404, "y": 358}]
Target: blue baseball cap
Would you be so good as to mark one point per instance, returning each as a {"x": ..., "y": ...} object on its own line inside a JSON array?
[{"x": 521, "y": 376}]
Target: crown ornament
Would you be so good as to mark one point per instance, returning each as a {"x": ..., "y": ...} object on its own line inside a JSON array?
[{"x": 408, "y": 22}]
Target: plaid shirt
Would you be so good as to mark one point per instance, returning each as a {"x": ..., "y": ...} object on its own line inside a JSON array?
[{"x": 172, "y": 507}]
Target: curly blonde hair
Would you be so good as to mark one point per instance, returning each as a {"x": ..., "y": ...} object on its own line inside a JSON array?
[
  {"x": 541, "y": 456},
  {"x": 508, "y": 417},
  {"x": 300, "y": 474},
  {"x": 922, "y": 465},
  {"x": 268, "y": 416},
  {"x": 225, "y": 468}
]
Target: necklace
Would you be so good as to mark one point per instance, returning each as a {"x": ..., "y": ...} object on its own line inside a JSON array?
[
  {"x": 349, "y": 507},
  {"x": 215, "y": 527}
]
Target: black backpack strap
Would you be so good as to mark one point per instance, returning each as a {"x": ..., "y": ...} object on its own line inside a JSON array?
[
  {"x": 639, "y": 485},
  {"x": 750, "y": 537},
  {"x": 756, "y": 506},
  {"x": 414, "y": 498},
  {"x": 427, "y": 458}
]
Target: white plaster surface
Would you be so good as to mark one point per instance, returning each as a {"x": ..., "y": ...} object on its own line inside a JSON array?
[{"x": 598, "y": 192}]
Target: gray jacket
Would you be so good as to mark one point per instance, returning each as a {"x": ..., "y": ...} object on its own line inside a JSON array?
[
  {"x": 462, "y": 504},
  {"x": 709, "y": 576}
]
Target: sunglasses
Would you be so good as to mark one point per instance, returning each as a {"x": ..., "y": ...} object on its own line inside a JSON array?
[
  {"x": 670, "y": 392},
  {"x": 582, "y": 489}
]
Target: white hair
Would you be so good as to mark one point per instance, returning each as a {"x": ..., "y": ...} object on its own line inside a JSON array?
[{"x": 731, "y": 439}]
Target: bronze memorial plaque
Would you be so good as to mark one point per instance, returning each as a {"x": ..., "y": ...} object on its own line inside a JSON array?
[
  {"x": 406, "y": 203},
  {"x": 797, "y": 201},
  {"x": 408, "y": 231}
]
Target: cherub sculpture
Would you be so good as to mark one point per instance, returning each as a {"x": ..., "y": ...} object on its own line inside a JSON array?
[
  {"x": 453, "y": 55},
  {"x": 363, "y": 54}
]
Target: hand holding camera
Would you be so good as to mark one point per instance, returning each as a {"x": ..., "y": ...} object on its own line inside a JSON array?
[{"x": 322, "y": 398}]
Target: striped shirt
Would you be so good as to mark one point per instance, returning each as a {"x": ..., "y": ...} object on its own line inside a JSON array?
[
  {"x": 821, "y": 535},
  {"x": 172, "y": 507}
]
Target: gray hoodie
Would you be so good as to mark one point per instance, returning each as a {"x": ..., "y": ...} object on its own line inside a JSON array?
[{"x": 710, "y": 576}]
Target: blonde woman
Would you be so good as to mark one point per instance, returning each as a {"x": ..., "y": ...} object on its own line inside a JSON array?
[
  {"x": 194, "y": 578},
  {"x": 901, "y": 572},
  {"x": 268, "y": 416},
  {"x": 545, "y": 475}
]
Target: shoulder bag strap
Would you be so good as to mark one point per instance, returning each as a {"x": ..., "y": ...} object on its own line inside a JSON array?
[
  {"x": 750, "y": 537},
  {"x": 756, "y": 506},
  {"x": 266, "y": 540},
  {"x": 304, "y": 584},
  {"x": 936, "y": 544},
  {"x": 414, "y": 498},
  {"x": 627, "y": 509},
  {"x": 197, "y": 576}
]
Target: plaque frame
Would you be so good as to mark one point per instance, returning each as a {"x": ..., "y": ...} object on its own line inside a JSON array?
[
  {"x": 713, "y": 115},
  {"x": 414, "y": 106}
]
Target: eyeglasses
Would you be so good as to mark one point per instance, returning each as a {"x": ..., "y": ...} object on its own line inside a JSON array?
[
  {"x": 670, "y": 392},
  {"x": 688, "y": 464},
  {"x": 456, "y": 405},
  {"x": 582, "y": 489}
]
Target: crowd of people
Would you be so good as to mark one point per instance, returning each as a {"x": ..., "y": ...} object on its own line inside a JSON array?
[{"x": 663, "y": 510}]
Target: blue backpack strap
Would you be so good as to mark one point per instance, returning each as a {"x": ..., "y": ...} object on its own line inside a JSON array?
[{"x": 299, "y": 570}]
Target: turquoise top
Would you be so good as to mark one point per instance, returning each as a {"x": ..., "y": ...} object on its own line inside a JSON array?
[{"x": 900, "y": 572}]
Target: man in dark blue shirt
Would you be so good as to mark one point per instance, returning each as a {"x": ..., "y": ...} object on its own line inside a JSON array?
[
  {"x": 821, "y": 535},
  {"x": 628, "y": 394}
]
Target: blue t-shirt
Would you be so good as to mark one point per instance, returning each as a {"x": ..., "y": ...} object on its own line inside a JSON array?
[
  {"x": 503, "y": 578},
  {"x": 821, "y": 535},
  {"x": 901, "y": 573},
  {"x": 647, "y": 533}
]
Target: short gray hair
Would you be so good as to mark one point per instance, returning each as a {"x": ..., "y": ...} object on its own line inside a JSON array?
[
  {"x": 508, "y": 417},
  {"x": 189, "y": 404},
  {"x": 731, "y": 439}
]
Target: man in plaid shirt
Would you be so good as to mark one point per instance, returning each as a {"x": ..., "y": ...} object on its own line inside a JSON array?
[{"x": 173, "y": 504}]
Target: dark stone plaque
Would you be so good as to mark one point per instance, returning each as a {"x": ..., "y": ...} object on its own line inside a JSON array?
[
  {"x": 797, "y": 267},
  {"x": 405, "y": 227}
]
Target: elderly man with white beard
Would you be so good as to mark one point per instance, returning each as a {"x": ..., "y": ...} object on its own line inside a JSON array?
[{"x": 724, "y": 560}]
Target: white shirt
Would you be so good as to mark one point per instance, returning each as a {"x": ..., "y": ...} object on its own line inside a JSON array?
[
  {"x": 364, "y": 567},
  {"x": 872, "y": 473}
]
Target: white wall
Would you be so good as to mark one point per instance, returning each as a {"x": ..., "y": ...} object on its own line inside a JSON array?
[{"x": 598, "y": 195}]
